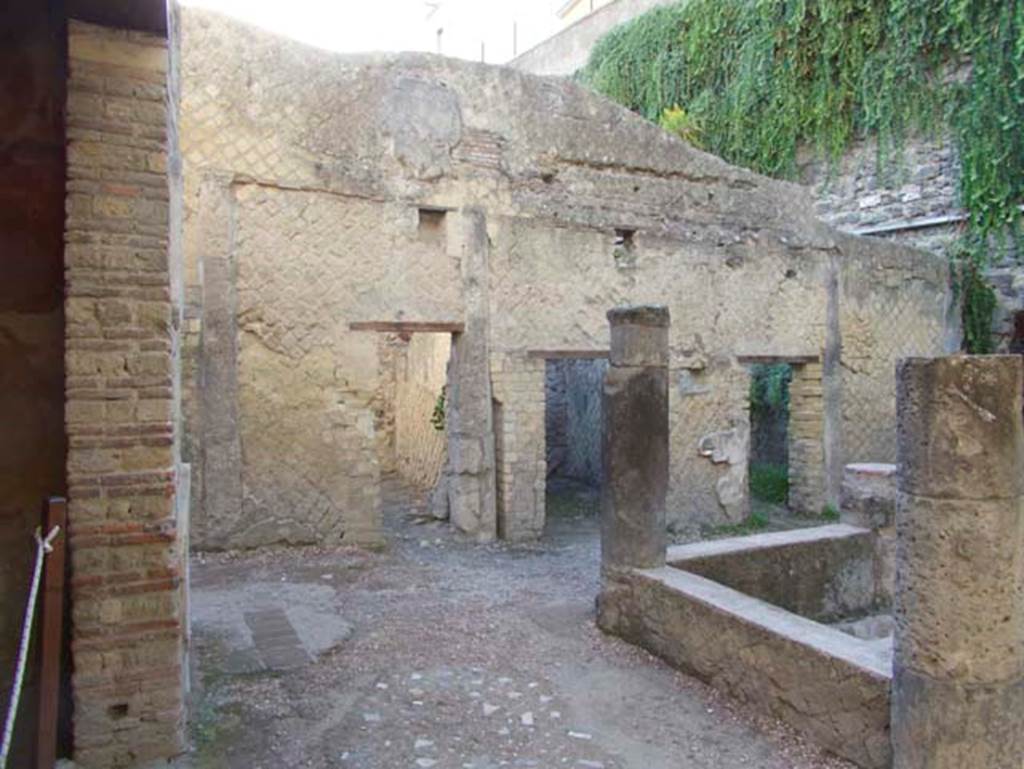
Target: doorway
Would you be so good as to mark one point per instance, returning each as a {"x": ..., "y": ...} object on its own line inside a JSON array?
[
  {"x": 573, "y": 434},
  {"x": 409, "y": 412},
  {"x": 768, "y": 459}
]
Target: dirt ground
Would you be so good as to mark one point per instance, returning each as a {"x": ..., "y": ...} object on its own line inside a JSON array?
[{"x": 440, "y": 653}]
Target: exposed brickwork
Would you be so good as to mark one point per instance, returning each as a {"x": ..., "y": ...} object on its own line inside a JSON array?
[
  {"x": 126, "y": 552},
  {"x": 518, "y": 386},
  {"x": 806, "y": 438}
]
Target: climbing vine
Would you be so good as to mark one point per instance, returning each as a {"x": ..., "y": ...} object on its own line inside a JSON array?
[
  {"x": 437, "y": 417},
  {"x": 977, "y": 299},
  {"x": 754, "y": 80}
]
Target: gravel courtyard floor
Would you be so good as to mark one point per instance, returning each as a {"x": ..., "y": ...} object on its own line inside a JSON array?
[{"x": 441, "y": 653}]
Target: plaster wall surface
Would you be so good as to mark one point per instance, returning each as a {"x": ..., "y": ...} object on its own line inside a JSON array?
[
  {"x": 305, "y": 175},
  {"x": 568, "y": 50}
]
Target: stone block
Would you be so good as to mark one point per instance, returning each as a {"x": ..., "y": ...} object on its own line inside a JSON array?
[
  {"x": 868, "y": 495},
  {"x": 960, "y": 588},
  {"x": 952, "y": 725},
  {"x": 960, "y": 428},
  {"x": 639, "y": 336}
]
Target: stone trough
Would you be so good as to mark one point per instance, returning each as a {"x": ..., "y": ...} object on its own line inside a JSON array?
[{"x": 748, "y": 615}]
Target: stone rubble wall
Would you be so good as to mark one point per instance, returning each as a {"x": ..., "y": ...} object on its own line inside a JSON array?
[
  {"x": 127, "y": 524},
  {"x": 305, "y": 171}
]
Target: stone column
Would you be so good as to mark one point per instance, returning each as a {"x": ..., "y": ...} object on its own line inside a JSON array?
[
  {"x": 635, "y": 440},
  {"x": 958, "y": 671},
  {"x": 469, "y": 474}
]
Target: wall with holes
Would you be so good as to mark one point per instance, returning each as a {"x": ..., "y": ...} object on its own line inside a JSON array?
[{"x": 325, "y": 191}]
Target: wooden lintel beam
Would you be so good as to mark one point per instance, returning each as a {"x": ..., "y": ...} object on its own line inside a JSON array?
[
  {"x": 408, "y": 327},
  {"x": 561, "y": 354},
  {"x": 791, "y": 359}
]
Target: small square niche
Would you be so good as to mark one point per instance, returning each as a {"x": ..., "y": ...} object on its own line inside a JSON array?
[
  {"x": 432, "y": 225},
  {"x": 624, "y": 248}
]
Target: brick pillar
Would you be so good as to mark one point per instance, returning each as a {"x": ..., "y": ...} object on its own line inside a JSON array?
[
  {"x": 806, "y": 439},
  {"x": 126, "y": 550},
  {"x": 958, "y": 671},
  {"x": 518, "y": 384},
  {"x": 635, "y": 451}
]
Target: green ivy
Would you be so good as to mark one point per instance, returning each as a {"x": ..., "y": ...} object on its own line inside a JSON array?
[
  {"x": 760, "y": 78},
  {"x": 769, "y": 387},
  {"x": 438, "y": 418},
  {"x": 977, "y": 299}
]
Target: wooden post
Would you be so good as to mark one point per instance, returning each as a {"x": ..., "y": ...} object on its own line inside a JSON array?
[{"x": 51, "y": 634}]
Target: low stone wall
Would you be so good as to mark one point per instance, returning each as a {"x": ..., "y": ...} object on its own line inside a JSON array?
[
  {"x": 832, "y": 687},
  {"x": 868, "y": 499},
  {"x": 823, "y": 573}
]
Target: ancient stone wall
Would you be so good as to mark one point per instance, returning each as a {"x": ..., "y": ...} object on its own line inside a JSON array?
[
  {"x": 894, "y": 304},
  {"x": 126, "y": 516},
  {"x": 910, "y": 199},
  {"x": 327, "y": 191}
]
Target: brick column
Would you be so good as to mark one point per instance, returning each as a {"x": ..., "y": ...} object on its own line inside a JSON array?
[
  {"x": 635, "y": 414},
  {"x": 518, "y": 385},
  {"x": 806, "y": 439},
  {"x": 958, "y": 671},
  {"x": 121, "y": 411}
]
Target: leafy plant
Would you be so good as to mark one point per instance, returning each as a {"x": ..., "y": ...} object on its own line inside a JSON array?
[
  {"x": 769, "y": 483},
  {"x": 769, "y": 387},
  {"x": 762, "y": 77},
  {"x": 676, "y": 120},
  {"x": 754, "y": 523},
  {"x": 829, "y": 513},
  {"x": 977, "y": 299},
  {"x": 437, "y": 418}
]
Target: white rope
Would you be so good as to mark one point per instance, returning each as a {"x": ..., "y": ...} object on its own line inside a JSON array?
[{"x": 43, "y": 546}]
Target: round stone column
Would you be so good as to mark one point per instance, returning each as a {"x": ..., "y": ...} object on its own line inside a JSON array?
[
  {"x": 635, "y": 447},
  {"x": 958, "y": 669}
]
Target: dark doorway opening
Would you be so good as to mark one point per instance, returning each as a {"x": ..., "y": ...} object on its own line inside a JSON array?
[
  {"x": 769, "y": 437},
  {"x": 1017, "y": 340},
  {"x": 573, "y": 435}
]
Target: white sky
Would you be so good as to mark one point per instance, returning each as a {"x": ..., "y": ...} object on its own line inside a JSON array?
[{"x": 353, "y": 26}]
